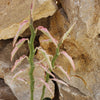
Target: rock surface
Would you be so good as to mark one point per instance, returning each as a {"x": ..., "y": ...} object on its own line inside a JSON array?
[
  {"x": 71, "y": 93},
  {"x": 5, "y": 92},
  {"x": 12, "y": 14},
  {"x": 82, "y": 44}
]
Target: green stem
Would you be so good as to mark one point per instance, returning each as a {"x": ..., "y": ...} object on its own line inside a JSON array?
[
  {"x": 47, "y": 75},
  {"x": 31, "y": 57},
  {"x": 55, "y": 57},
  {"x": 43, "y": 89}
]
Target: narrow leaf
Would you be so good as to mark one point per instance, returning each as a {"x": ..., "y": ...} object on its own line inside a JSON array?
[
  {"x": 64, "y": 71},
  {"x": 47, "y": 33},
  {"x": 46, "y": 70},
  {"x": 18, "y": 45},
  {"x": 18, "y": 62},
  {"x": 59, "y": 81},
  {"x": 47, "y": 57},
  {"x": 69, "y": 58},
  {"x": 21, "y": 41},
  {"x": 19, "y": 72},
  {"x": 20, "y": 79},
  {"x": 67, "y": 33},
  {"x": 19, "y": 31},
  {"x": 47, "y": 86},
  {"x": 13, "y": 52},
  {"x": 32, "y": 7}
]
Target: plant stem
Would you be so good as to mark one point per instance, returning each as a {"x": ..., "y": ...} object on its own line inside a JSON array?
[
  {"x": 43, "y": 89},
  {"x": 47, "y": 75},
  {"x": 55, "y": 57},
  {"x": 31, "y": 57}
]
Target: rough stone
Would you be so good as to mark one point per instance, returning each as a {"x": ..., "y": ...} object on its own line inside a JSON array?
[
  {"x": 82, "y": 44},
  {"x": 5, "y": 92},
  {"x": 12, "y": 13},
  {"x": 71, "y": 93}
]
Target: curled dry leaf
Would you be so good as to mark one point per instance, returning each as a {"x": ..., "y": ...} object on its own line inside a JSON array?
[
  {"x": 13, "y": 52},
  {"x": 46, "y": 56},
  {"x": 21, "y": 41},
  {"x": 18, "y": 62},
  {"x": 24, "y": 81},
  {"x": 19, "y": 31},
  {"x": 46, "y": 70},
  {"x": 64, "y": 71},
  {"x": 67, "y": 33},
  {"x": 18, "y": 73},
  {"x": 47, "y": 33},
  {"x": 59, "y": 81},
  {"x": 69, "y": 59},
  {"x": 18, "y": 45},
  {"x": 46, "y": 84}
]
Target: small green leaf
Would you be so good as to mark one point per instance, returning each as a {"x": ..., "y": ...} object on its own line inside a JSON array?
[{"x": 67, "y": 33}]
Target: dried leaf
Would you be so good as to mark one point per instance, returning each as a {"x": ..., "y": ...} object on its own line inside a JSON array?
[
  {"x": 64, "y": 71},
  {"x": 19, "y": 72},
  {"x": 18, "y": 62},
  {"x": 20, "y": 79},
  {"x": 66, "y": 34},
  {"x": 69, "y": 58},
  {"x": 21, "y": 41},
  {"x": 18, "y": 45},
  {"x": 46, "y": 84},
  {"x": 13, "y": 52},
  {"x": 59, "y": 81},
  {"x": 47, "y": 33},
  {"x": 46, "y": 70},
  {"x": 47, "y": 57},
  {"x": 19, "y": 31}
]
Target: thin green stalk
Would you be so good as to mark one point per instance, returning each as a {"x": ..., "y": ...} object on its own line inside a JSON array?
[
  {"x": 31, "y": 57},
  {"x": 43, "y": 89},
  {"x": 55, "y": 57},
  {"x": 47, "y": 75}
]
